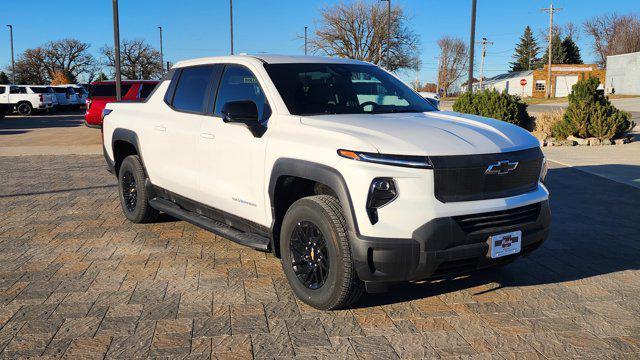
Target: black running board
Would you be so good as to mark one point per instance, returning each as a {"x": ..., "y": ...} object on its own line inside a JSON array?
[{"x": 243, "y": 238}]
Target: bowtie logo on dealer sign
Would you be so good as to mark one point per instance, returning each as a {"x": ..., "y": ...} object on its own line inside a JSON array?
[{"x": 501, "y": 167}]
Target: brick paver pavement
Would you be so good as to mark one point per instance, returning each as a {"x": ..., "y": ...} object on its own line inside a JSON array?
[{"x": 77, "y": 280}]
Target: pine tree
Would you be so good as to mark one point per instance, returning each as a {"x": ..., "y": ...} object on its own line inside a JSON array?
[
  {"x": 559, "y": 53},
  {"x": 102, "y": 77},
  {"x": 4, "y": 79},
  {"x": 572, "y": 51},
  {"x": 526, "y": 52}
]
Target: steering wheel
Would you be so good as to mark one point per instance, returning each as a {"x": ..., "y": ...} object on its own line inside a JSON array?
[{"x": 367, "y": 103}]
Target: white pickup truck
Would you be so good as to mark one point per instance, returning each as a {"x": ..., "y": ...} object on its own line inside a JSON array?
[
  {"x": 25, "y": 98},
  {"x": 348, "y": 175}
]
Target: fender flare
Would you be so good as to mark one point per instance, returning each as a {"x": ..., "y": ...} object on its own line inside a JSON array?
[
  {"x": 120, "y": 134},
  {"x": 316, "y": 172},
  {"x": 128, "y": 136}
]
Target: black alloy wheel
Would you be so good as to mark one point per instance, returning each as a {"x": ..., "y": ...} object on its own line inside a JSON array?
[
  {"x": 129, "y": 191},
  {"x": 309, "y": 255},
  {"x": 133, "y": 194}
]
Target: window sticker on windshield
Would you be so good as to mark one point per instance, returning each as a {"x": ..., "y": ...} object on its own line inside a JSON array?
[{"x": 250, "y": 80}]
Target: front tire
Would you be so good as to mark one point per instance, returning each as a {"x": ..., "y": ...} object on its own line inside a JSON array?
[
  {"x": 316, "y": 257},
  {"x": 25, "y": 109},
  {"x": 132, "y": 192}
]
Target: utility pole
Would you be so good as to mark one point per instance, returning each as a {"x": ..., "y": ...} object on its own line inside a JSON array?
[
  {"x": 484, "y": 43},
  {"x": 550, "y": 10},
  {"x": 438, "y": 77},
  {"x": 305, "y": 41},
  {"x": 13, "y": 63},
  {"x": 231, "y": 23},
  {"x": 472, "y": 45},
  {"x": 116, "y": 47},
  {"x": 161, "y": 52}
]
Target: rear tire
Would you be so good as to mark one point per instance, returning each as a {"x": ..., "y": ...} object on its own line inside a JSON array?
[
  {"x": 315, "y": 254},
  {"x": 25, "y": 109},
  {"x": 132, "y": 192}
]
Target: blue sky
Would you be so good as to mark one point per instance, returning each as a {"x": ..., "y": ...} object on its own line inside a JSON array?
[{"x": 196, "y": 28}]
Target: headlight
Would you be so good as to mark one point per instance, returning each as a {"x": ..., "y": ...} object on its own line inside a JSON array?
[
  {"x": 418, "y": 162},
  {"x": 382, "y": 191},
  {"x": 544, "y": 170}
]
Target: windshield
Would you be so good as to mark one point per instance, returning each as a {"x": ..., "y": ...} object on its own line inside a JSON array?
[
  {"x": 314, "y": 89},
  {"x": 108, "y": 90}
]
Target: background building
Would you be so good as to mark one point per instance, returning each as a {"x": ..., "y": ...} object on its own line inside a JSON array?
[
  {"x": 563, "y": 77},
  {"x": 509, "y": 82},
  {"x": 623, "y": 74}
]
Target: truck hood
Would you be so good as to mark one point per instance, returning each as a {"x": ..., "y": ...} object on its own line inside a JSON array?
[{"x": 429, "y": 133}]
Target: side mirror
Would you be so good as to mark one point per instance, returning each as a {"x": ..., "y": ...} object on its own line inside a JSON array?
[
  {"x": 243, "y": 112},
  {"x": 240, "y": 111}
]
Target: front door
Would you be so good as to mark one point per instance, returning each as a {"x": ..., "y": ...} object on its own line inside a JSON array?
[{"x": 231, "y": 157}]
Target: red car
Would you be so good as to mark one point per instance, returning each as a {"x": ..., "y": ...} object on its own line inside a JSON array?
[{"x": 103, "y": 92}]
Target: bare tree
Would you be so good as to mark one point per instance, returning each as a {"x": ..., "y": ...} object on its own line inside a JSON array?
[
  {"x": 358, "y": 30},
  {"x": 454, "y": 57},
  {"x": 139, "y": 60},
  {"x": 572, "y": 31},
  {"x": 68, "y": 56},
  {"x": 30, "y": 68},
  {"x": 613, "y": 34}
]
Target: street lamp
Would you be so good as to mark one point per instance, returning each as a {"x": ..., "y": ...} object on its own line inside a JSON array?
[
  {"x": 161, "y": 53},
  {"x": 388, "y": 32},
  {"x": 231, "y": 23},
  {"x": 116, "y": 48},
  {"x": 13, "y": 63},
  {"x": 305, "y": 41}
]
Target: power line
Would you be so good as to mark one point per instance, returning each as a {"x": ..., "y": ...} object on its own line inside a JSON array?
[{"x": 484, "y": 43}]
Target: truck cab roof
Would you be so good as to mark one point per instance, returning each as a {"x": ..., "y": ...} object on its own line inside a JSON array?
[{"x": 270, "y": 59}]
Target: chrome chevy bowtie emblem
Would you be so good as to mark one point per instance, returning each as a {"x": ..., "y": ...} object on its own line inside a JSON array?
[{"x": 501, "y": 167}]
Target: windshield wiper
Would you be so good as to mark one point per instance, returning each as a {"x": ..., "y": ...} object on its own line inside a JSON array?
[{"x": 396, "y": 111}]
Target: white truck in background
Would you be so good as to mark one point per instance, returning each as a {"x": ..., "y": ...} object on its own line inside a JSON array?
[{"x": 24, "y": 99}]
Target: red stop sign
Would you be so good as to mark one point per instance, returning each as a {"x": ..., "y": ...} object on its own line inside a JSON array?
[{"x": 523, "y": 82}]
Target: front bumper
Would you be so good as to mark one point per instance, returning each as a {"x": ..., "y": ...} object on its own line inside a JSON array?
[{"x": 439, "y": 248}]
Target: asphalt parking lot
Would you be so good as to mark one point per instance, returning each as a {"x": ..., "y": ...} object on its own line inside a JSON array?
[
  {"x": 50, "y": 134},
  {"x": 77, "y": 280}
]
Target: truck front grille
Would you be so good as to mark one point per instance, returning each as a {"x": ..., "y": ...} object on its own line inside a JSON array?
[
  {"x": 465, "y": 178},
  {"x": 498, "y": 219}
]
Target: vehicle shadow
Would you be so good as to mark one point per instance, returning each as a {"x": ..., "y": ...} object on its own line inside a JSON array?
[
  {"x": 594, "y": 232},
  {"x": 40, "y": 121},
  {"x": 13, "y": 132}
]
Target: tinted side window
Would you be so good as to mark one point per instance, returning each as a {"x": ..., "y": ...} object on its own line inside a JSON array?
[
  {"x": 239, "y": 83},
  {"x": 39, "y": 90},
  {"x": 191, "y": 90},
  {"x": 2, "y": 90}
]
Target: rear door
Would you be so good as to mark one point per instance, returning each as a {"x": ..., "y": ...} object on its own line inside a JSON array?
[
  {"x": 4, "y": 94},
  {"x": 174, "y": 133}
]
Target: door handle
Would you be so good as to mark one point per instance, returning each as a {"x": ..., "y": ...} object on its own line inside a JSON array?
[
  {"x": 161, "y": 128},
  {"x": 207, "y": 135}
]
